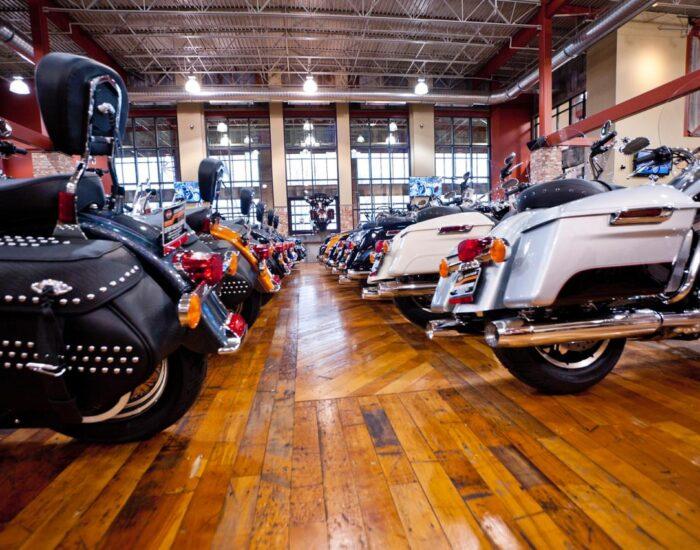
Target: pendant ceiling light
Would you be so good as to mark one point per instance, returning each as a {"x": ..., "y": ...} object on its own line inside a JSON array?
[
  {"x": 310, "y": 86},
  {"x": 222, "y": 128},
  {"x": 421, "y": 87},
  {"x": 192, "y": 85},
  {"x": 19, "y": 86}
]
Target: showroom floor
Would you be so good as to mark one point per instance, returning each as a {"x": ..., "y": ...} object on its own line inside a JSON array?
[{"x": 341, "y": 425}]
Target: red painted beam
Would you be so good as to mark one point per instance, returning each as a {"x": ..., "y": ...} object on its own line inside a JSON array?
[
  {"x": 40, "y": 29},
  {"x": 31, "y": 138},
  {"x": 82, "y": 39},
  {"x": 519, "y": 40},
  {"x": 545, "y": 69},
  {"x": 670, "y": 91}
]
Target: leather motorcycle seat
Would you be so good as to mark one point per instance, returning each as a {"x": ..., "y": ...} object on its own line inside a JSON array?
[
  {"x": 29, "y": 206},
  {"x": 436, "y": 212},
  {"x": 196, "y": 217},
  {"x": 558, "y": 192}
]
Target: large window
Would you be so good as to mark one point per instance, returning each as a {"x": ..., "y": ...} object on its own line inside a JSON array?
[
  {"x": 243, "y": 145},
  {"x": 312, "y": 166},
  {"x": 563, "y": 115},
  {"x": 461, "y": 146},
  {"x": 380, "y": 164},
  {"x": 149, "y": 156}
]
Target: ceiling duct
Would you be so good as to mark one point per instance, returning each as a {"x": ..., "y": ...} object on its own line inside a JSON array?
[
  {"x": 10, "y": 39},
  {"x": 596, "y": 31}
]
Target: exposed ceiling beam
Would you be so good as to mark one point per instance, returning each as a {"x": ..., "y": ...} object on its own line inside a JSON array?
[
  {"x": 80, "y": 37},
  {"x": 304, "y": 14},
  {"x": 520, "y": 39}
]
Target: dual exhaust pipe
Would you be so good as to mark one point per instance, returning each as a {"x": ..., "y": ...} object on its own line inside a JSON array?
[{"x": 517, "y": 333}]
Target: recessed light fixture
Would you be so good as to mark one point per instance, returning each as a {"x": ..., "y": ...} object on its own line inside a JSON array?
[
  {"x": 192, "y": 85},
  {"x": 222, "y": 127},
  {"x": 310, "y": 86},
  {"x": 421, "y": 87},
  {"x": 19, "y": 86}
]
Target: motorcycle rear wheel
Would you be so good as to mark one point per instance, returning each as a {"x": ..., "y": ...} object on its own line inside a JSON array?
[
  {"x": 173, "y": 389},
  {"x": 417, "y": 309},
  {"x": 564, "y": 368}
]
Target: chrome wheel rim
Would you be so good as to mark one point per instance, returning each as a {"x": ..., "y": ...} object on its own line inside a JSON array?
[
  {"x": 144, "y": 396},
  {"x": 573, "y": 355}
]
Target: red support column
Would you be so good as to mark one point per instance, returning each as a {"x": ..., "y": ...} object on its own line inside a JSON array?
[
  {"x": 545, "y": 66},
  {"x": 40, "y": 29}
]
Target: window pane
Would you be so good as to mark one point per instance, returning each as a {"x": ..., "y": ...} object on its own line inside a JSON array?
[
  {"x": 144, "y": 132},
  {"x": 443, "y": 131},
  {"x": 461, "y": 131},
  {"x": 469, "y": 153},
  {"x": 480, "y": 131}
]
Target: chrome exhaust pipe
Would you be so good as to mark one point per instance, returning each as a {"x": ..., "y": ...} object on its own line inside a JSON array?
[
  {"x": 391, "y": 289},
  {"x": 517, "y": 333},
  {"x": 371, "y": 293},
  {"x": 345, "y": 280},
  {"x": 356, "y": 275},
  {"x": 443, "y": 328}
]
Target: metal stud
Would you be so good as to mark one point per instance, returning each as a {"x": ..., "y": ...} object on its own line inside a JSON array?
[
  {"x": 129, "y": 349},
  {"x": 134, "y": 359},
  {"x": 104, "y": 370},
  {"x": 113, "y": 283},
  {"x": 8, "y": 298},
  {"x": 129, "y": 370},
  {"x": 85, "y": 359},
  {"x": 117, "y": 349},
  {"x": 8, "y": 365},
  {"x": 93, "y": 370},
  {"x": 79, "y": 348},
  {"x": 91, "y": 348},
  {"x": 22, "y": 298},
  {"x": 110, "y": 360},
  {"x": 98, "y": 359},
  {"x": 117, "y": 370},
  {"x": 11, "y": 354},
  {"x": 122, "y": 279},
  {"x": 30, "y": 345},
  {"x": 103, "y": 289},
  {"x": 63, "y": 301},
  {"x": 24, "y": 355},
  {"x": 122, "y": 360},
  {"x": 18, "y": 344},
  {"x": 35, "y": 300},
  {"x": 5, "y": 343},
  {"x": 76, "y": 301},
  {"x": 90, "y": 296},
  {"x": 81, "y": 369}
]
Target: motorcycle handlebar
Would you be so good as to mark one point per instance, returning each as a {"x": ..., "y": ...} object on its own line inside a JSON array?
[
  {"x": 597, "y": 146},
  {"x": 8, "y": 149}
]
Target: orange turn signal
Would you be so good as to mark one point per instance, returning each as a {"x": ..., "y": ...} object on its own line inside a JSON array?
[
  {"x": 194, "y": 312},
  {"x": 385, "y": 247},
  {"x": 444, "y": 268},
  {"x": 233, "y": 265},
  {"x": 372, "y": 257},
  {"x": 498, "y": 251}
]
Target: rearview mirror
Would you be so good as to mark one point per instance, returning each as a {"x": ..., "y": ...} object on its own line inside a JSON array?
[
  {"x": 509, "y": 159},
  {"x": 605, "y": 130},
  {"x": 246, "y": 201},
  {"x": 634, "y": 146},
  {"x": 5, "y": 128}
]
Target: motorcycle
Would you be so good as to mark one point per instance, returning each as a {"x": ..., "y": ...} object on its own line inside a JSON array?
[
  {"x": 557, "y": 288},
  {"x": 321, "y": 215},
  {"x": 405, "y": 267},
  {"x": 7, "y": 148},
  {"x": 104, "y": 339}
]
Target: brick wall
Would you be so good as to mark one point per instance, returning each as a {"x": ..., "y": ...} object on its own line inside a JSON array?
[
  {"x": 346, "y": 221},
  {"x": 48, "y": 164},
  {"x": 545, "y": 164}
]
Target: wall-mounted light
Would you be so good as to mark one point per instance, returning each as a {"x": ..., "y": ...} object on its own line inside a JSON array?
[
  {"x": 421, "y": 87},
  {"x": 19, "y": 86}
]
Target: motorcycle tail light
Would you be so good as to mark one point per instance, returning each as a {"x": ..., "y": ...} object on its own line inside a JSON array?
[
  {"x": 206, "y": 225},
  {"x": 461, "y": 300},
  {"x": 279, "y": 247},
  {"x": 262, "y": 251},
  {"x": 372, "y": 257},
  {"x": 444, "y": 268},
  {"x": 470, "y": 249},
  {"x": 379, "y": 247},
  {"x": 66, "y": 207},
  {"x": 201, "y": 267},
  {"x": 351, "y": 245},
  {"x": 236, "y": 324},
  {"x": 499, "y": 251},
  {"x": 276, "y": 279}
]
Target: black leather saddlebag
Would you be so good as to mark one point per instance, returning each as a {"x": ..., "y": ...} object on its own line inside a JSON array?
[{"x": 110, "y": 330}]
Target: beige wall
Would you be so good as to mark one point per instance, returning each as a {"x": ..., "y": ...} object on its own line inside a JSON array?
[
  {"x": 642, "y": 55},
  {"x": 279, "y": 175},
  {"x": 422, "y": 139},
  {"x": 191, "y": 136},
  {"x": 342, "y": 114}
]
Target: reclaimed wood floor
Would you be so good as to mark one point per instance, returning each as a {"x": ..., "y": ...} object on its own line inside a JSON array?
[{"x": 340, "y": 425}]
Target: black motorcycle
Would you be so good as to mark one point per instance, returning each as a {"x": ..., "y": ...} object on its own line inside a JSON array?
[
  {"x": 321, "y": 215},
  {"x": 104, "y": 324}
]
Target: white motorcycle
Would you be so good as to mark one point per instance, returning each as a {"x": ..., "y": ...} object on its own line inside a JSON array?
[
  {"x": 406, "y": 270},
  {"x": 556, "y": 289}
]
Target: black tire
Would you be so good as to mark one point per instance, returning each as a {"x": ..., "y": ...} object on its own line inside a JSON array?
[
  {"x": 416, "y": 310},
  {"x": 531, "y": 365},
  {"x": 186, "y": 371},
  {"x": 251, "y": 307}
]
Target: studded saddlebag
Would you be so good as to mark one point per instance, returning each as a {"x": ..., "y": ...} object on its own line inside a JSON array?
[{"x": 110, "y": 330}]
